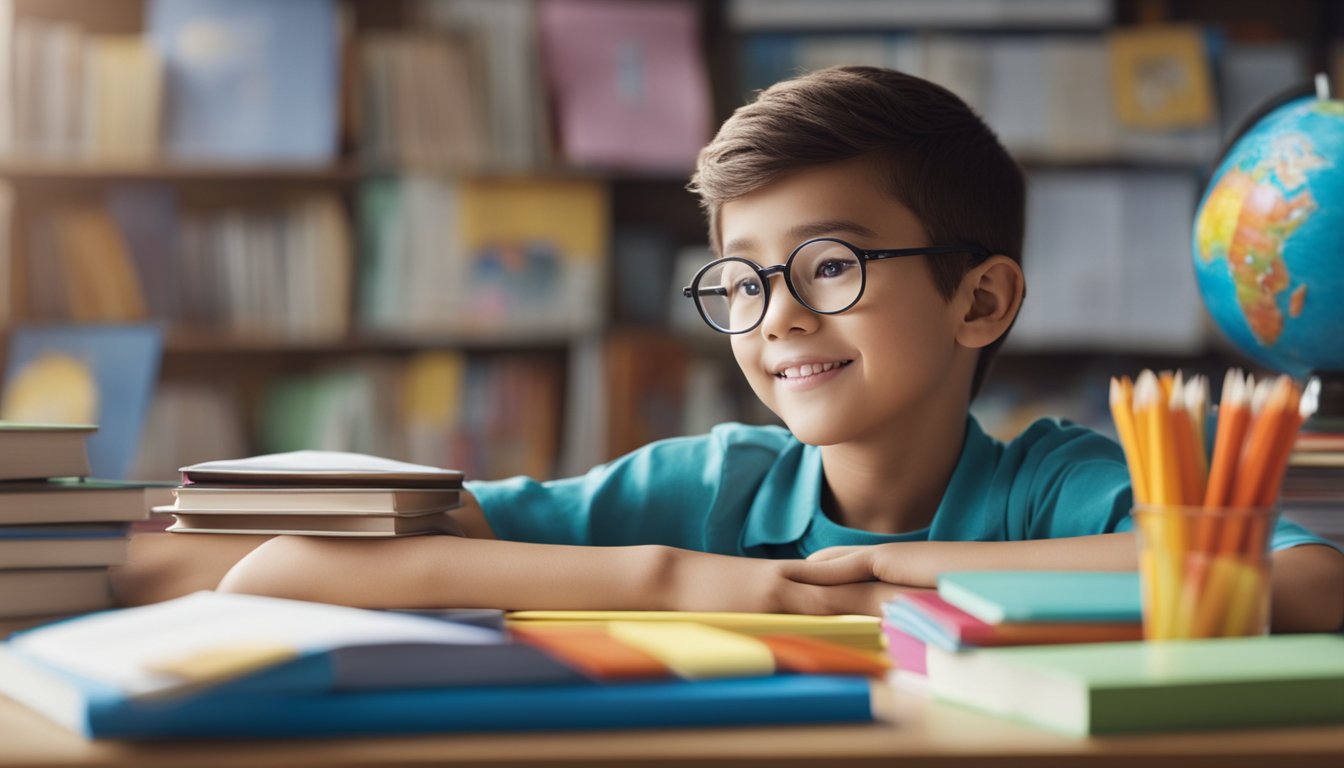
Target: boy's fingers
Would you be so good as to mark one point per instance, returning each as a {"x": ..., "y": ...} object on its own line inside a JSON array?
[
  {"x": 845, "y": 569},
  {"x": 830, "y": 553},
  {"x": 866, "y": 599}
]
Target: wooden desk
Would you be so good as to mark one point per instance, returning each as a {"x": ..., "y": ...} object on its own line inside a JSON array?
[{"x": 914, "y": 732}]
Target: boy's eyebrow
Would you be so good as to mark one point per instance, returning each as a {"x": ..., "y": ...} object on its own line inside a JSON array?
[{"x": 808, "y": 231}]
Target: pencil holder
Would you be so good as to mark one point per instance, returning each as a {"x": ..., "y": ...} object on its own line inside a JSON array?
[{"x": 1205, "y": 571}]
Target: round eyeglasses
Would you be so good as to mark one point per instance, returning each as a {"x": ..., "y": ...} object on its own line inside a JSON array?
[{"x": 825, "y": 275}]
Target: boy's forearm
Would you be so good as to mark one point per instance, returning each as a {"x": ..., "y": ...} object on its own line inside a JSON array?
[
  {"x": 449, "y": 571},
  {"x": 1105, "y": 552},
  {"x": 1308, "y": 589}
]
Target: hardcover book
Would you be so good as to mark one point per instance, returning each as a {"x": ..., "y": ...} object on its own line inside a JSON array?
[{"x": 1149, "y": 686}]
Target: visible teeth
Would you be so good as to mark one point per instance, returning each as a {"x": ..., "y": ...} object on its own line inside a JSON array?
[{"x": 807, "y": 369}]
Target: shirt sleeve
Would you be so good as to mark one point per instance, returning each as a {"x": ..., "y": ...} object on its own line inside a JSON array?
[
  {"x": 658, "y": 494},
  {"x": 1080, "y": 486}
]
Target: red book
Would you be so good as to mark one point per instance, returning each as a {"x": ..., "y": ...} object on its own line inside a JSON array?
[{"x": 968, "y": 630}]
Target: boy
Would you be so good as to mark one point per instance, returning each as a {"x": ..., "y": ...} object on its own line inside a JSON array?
[{"x": 869, "y": 230}]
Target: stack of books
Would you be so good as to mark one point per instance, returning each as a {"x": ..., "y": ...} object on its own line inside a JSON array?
[
  {"x": 218, "y": 665},
  {"x": 319, "y": 493},
  {"x": 1063, "y": 675},
  {"x": 1313, "y": 486},
  {"x": 985, "y": 609},
  {"x": 59, "y": 532}
]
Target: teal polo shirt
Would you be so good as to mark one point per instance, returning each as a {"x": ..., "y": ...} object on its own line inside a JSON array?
[{"x": 757, "y": 490}]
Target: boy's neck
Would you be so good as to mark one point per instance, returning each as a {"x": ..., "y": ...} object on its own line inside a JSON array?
[{"x": 895, "y": 484}]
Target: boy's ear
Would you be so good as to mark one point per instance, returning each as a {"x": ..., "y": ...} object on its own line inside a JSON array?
[{"x": 992, "y": 295}]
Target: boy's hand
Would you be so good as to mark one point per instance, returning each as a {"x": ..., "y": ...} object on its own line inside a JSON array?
[
  {"x": 835, "y": 566},
  {"x": 696, "y": 581}
]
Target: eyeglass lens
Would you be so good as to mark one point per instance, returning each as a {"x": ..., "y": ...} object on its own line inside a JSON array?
[{"x": 827, "y": 275}]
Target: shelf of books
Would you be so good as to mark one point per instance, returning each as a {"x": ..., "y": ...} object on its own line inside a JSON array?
[
  {"x": 417, "y": 228},
  {"x": 374, "y": 226}
]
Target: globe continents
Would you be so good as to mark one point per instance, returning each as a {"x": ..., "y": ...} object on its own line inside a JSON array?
[{"x": 1269, "y": 239}]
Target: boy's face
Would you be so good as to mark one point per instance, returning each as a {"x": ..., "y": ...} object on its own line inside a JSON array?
[{"x": 872, "y": 368}]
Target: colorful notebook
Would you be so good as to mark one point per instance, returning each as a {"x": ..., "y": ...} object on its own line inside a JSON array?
[
  {"x": 998, "y": 597},
  {"x": 1131, "y": 687},
  {"x": 934, "y": 620}
]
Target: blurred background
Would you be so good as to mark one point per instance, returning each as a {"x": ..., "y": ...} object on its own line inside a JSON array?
[{"x": 455, "y": 231}]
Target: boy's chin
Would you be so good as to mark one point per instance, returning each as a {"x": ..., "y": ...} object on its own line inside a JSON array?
[{"x": 812, "y": 433}]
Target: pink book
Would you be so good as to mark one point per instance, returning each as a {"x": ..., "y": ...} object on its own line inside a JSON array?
[
  {"x": 628, "y": 81},
  {"x": 969, "y": 630},
  {"x": 906, "y": 652}
]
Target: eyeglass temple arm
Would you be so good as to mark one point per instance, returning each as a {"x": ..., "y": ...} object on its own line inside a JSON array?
[{"x": 705, "y": 292}]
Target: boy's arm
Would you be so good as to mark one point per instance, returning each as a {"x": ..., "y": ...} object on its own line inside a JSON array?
[
  {"x": 470, "y": 519},
  {"x": 450, "y": 571},
  {"x": 1308, "y": 580}
]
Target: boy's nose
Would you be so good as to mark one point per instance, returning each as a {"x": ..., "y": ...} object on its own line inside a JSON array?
[{"x": 785, "y": 315}]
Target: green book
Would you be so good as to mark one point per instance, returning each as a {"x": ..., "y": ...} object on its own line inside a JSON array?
[
  {"x": 996, "y": 597},
  {"x": 1149, "y": 686}
]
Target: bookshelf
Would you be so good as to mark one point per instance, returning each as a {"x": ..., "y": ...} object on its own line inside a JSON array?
[
  {"x": 385, "y": 131},
  {"x": 415, "y": 385}
]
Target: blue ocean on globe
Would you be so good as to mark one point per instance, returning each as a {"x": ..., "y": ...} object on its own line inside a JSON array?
[{"x": 1269, "y": 239}]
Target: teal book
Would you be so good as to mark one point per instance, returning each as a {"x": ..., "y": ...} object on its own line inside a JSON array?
[
  {"x": 1151, "y": 686},
  {"x": 996, "y": 597}
]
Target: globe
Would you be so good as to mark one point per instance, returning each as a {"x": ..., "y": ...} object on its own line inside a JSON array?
[{"x": 1269, "y": 239}]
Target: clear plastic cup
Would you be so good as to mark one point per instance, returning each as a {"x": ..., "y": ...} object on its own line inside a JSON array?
[{"x": 1205, "y": 571}]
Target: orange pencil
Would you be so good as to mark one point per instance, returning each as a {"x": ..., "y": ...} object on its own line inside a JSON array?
[
  {"x": 1289, "y": 422},
  {"x": 1197, "y": 406},
  {"x": 1234, "y": 417},
  {"x": 1183, "y": 445},
  {"x": 1267, "y": 407},
  {"x": 1267, "y": 424}
]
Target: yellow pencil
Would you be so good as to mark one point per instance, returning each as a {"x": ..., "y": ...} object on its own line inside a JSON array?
[{"x": 1122, "y": 411}]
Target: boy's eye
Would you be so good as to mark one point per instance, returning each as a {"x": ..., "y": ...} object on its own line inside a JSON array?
[
  {"x": 748, "y": 287},
  {"x": 833, "y": 268}
]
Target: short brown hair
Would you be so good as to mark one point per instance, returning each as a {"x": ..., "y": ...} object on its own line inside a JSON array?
[{"x": 940, "y": 159}]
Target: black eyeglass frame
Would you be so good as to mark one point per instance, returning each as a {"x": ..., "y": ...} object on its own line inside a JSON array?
[{"x": 978, "y": 254}]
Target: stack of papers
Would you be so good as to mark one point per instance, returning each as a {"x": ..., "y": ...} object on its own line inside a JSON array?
[{"x": 322, "y": 493}]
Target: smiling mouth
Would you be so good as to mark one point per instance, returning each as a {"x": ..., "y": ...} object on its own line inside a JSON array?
[{"x": 810, "y": 369}]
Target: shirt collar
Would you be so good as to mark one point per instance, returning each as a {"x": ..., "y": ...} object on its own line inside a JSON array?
[{"x": 790, "y": 494}]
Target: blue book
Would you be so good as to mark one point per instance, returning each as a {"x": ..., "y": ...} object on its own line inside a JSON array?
[
  {"x": 996, "y": 597},
  {"x": 100, "y": 711},
  {"x": 249, "y": 80},
  {"x": 65, "y": 531},
  {"x": 90, "y": 374}
]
